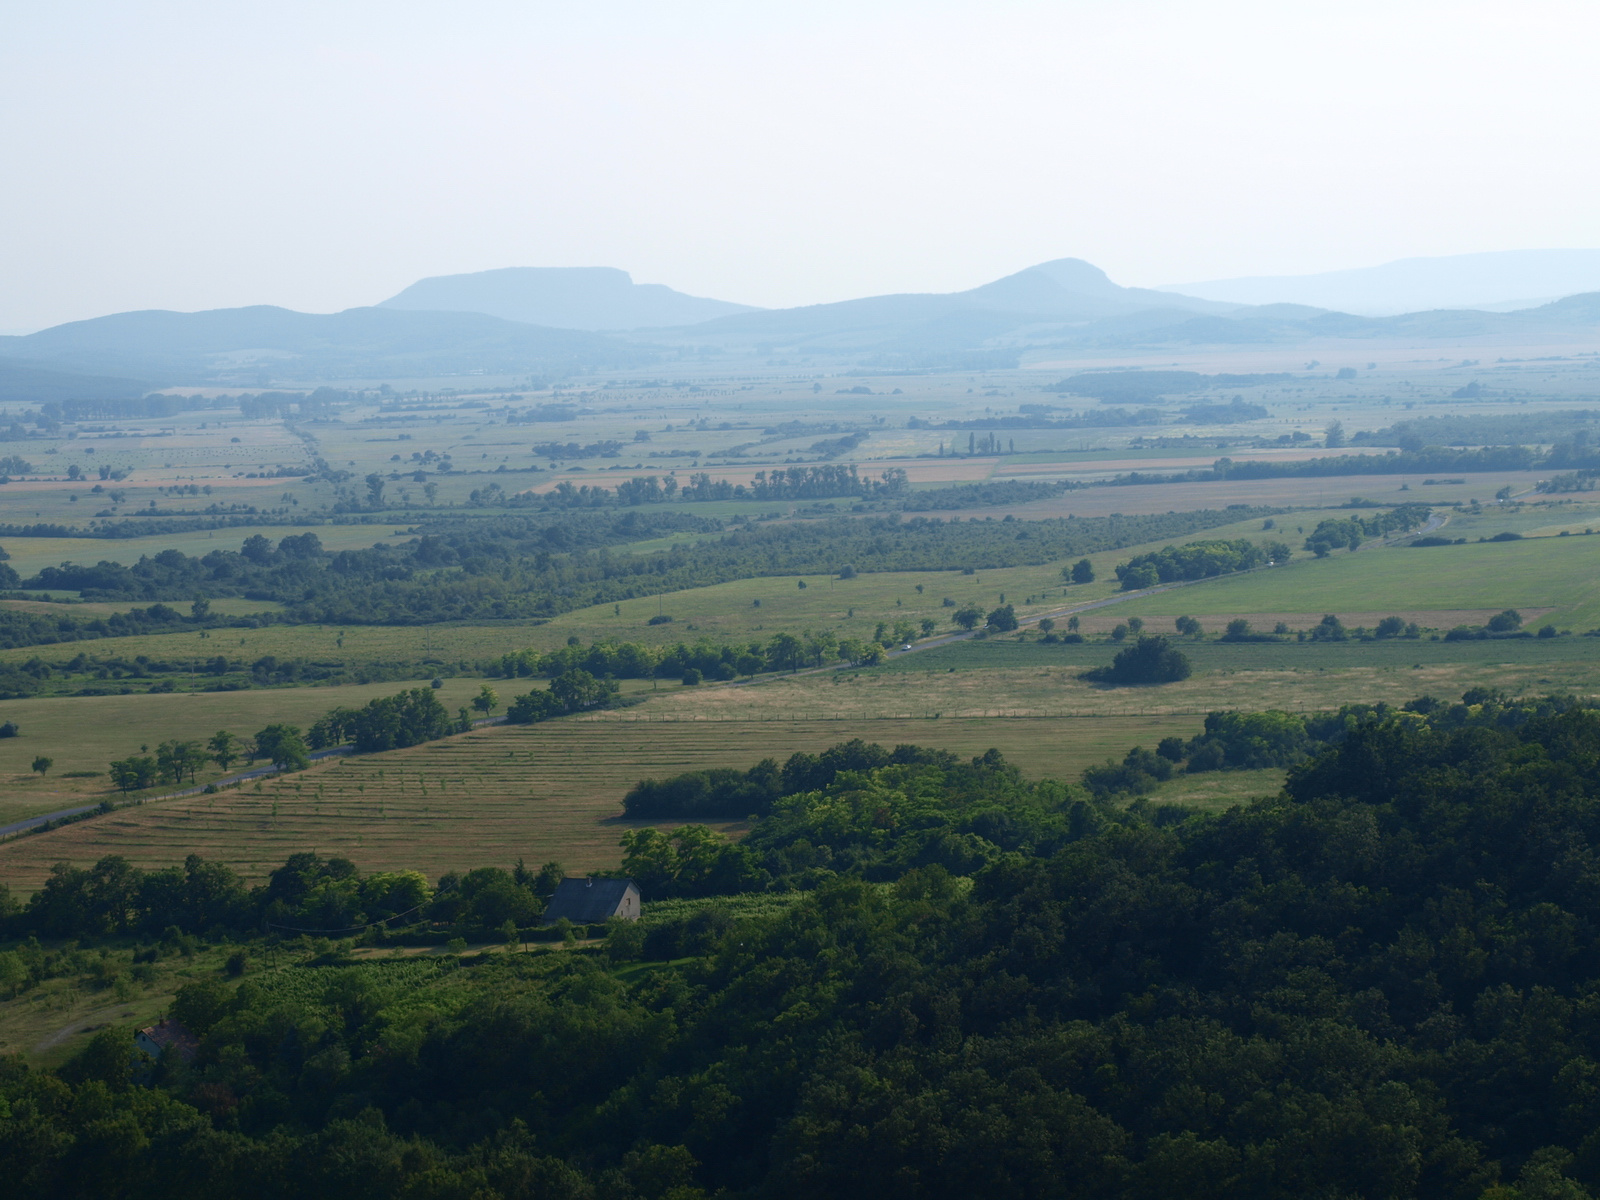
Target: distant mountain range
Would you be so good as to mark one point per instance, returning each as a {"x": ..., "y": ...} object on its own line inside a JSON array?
[
  {"x": 1062, "y": 306},
  {"x": 1496, "y": 281},
  {"x": 263, "y": 344},
  {"x": 594, "y": 298},
  {"x": 930, "y": 327},
  {"x": 27, "y": 383}
]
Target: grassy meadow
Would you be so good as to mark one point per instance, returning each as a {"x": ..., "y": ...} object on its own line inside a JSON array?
[
  {"x": 84, "y": 733},
  {"x": 1559, "y": 577},
  {"x": 553, "y": 791},
  {"x": 540, "y": 792},
  {"x": 727, "y": 611}
]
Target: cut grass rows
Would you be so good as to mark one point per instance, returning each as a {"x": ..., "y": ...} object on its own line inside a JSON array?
[
  {"x": 84, "y": 733},
  {"x": 538, "y": 792}
]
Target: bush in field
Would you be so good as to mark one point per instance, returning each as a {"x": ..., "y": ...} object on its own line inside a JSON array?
[
  {"x": 1148, "y": 660},
  {"x": 1329, "y": 629},
  {"x": 1508, "y": 621}
]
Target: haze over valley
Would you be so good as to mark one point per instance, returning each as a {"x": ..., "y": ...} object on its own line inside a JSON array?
[{"x": 578, "y": 623}]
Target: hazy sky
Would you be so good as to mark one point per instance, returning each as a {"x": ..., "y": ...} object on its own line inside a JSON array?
[{"x": 323, "y": 155}]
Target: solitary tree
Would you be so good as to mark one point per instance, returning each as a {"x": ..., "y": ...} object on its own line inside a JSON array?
[
  {"x": 1333, "y": 435},
  {"x": 224, "y": 748},
  {"x": 968, "y": 617},
  {"x": 486, "y": 701},
  {"x": 1081, "y": 572},
  {"x": 1003, "y": 619},
  {"x": 375, "y": 489},
  {"x": 43, "y": 764}
]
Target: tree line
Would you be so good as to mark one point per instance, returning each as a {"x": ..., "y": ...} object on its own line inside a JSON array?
[
  {"x": 1198, "y": 560},
  {"x": 1393, "y": 462},
  {"x": 540, "y": 566}
]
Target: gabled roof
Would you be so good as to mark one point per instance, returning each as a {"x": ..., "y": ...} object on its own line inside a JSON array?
[
  {"x": 168, "y": 1034},
  {"x": 587, "y": 901}
]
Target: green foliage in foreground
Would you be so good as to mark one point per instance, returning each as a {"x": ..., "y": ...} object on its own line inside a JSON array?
[{"x": 1379, "y": 983}]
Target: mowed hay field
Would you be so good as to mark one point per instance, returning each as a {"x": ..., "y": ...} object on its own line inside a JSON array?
[
  {"x": 1002, "y": 678},
  {"x": 84, "y": 733},
  {"x": 540, "y": 792}
]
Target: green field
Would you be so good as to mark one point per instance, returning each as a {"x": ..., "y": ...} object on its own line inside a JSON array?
[
  {"x": 1211, "y": 656},
  {"x": 548, "y": 791},
  {"x": 1554, "y": 573},
  {"x": 541, "y": 792},
  {"x": 725, "y": 611},
  {"x": 998, "y": 678},
  {"x": 84, "y": 733}
]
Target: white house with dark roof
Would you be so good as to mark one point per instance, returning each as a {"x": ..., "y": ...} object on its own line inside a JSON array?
[
  {"x": 591, "y": 901},
  {"x": 167, "y": 1036}
]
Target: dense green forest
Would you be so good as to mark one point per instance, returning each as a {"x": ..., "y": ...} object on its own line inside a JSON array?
[{"x": 1380, "y": 982}]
